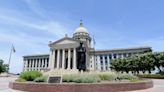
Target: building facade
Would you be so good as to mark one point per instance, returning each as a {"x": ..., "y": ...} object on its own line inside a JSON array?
[{"x": 76, "y": 54}]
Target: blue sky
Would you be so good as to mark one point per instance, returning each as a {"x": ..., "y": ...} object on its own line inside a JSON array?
[{"x": 30, "y": 24}]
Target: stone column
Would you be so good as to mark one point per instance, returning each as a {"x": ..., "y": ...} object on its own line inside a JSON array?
[
  {"x": 52, "y": 59},
  {"x": 74, "y": 58},
  {"x": 36, "y": 62},
  {"x": 104, "y": 65},
  {"x": 122, "y": 55},
  {"x": 69, "y": 58},
  {"x": 108, "y": 61},
  {"x": 29, "y": 65},
  {"x": 45, "y": 63},
  {"x": 63, "y": 58},
  {"x": 112, "y": 56},
  {"x": 42, "y": 63},
  {"x": 32, "y": 66},
  {"x": 25, "y": 65},
  {"x": 58, "y": 58},
  {"x": 39, "y": 65},
  {"x": 98, "y": 63}
]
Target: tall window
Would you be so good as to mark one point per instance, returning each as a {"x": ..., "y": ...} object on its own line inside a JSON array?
[
  {"x": 114, "y": 55},
  {"x": 101, "y": 62},
  {"x": 110, "y": 56}
]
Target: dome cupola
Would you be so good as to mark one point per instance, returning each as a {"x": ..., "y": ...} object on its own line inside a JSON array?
[
  {"x": 81, "y": 28},
  {"x": 82, "y": 34}
]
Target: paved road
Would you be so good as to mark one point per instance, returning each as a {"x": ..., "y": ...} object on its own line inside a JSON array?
[{"x": 158, "y": 85}]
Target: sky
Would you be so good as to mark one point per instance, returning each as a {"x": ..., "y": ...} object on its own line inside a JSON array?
[{"x": 30, "y": 24}]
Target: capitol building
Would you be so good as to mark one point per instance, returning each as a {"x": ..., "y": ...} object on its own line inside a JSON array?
[{"x": 77, "y": 53}]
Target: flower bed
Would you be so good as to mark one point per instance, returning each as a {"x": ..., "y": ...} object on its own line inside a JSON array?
[{"x": 81, "y": 87}]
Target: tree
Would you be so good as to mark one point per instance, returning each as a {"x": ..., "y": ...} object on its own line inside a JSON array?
[
  {"x": 136, "y": 63},
  {"x": 3, "y": 67},
  {"x": 161, "y": 59}
]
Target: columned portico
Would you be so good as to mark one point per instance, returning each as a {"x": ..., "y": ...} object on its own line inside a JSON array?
[{"x": 65, "y": 59}]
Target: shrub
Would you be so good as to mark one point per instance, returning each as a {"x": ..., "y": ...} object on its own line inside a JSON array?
[
  {"x": 127, "y": 77},
  {"x": 106, "y": 76},
  {"x": 20, "y": 80},
  {"x": 30, "y": 75},
  {"x": 87, "y": 78},
  {"x": 160, "y": 73},
  {"x": 97, "y": 77},
  {"x": 81, "y": 78},
  {"x": 157, "y": 76},
  {"x": 41, "y": 79},
  {"x": 69, "y": 77}
]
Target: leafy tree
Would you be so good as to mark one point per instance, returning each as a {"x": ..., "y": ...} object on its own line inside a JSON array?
[
  {"x": 3, "y": 67},
  {"x": 136, "y": 63}
]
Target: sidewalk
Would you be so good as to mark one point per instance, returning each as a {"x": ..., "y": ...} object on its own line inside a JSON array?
[
  {"x": 158, "y": 87},
  {"x": 4, "y": 82}
]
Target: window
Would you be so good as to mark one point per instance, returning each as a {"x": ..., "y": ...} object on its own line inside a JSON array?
[
  {"x": 124, "y": 54},
  {"x": 101, "y": 68},
  {"x": 114, "y": 55},
  {"x": 110, "y": 56},
  {"x": 129, "y": 54},
  {"x": 101, "y": 62},
  {"x": 106, "y": 62},
  {"x": 106, "y": 67},
  {"x": 105, "y": 57},
  {"x": 119, "y": 55},
  {"x": 100, "y": 57}
]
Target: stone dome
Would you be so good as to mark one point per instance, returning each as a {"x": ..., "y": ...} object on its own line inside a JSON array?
[{"x": 81, "y": 29}]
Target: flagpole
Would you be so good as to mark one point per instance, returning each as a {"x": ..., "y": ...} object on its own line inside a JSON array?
[
  {"x": 94, "y": 52},
  {"x": 10, "y": 59}
]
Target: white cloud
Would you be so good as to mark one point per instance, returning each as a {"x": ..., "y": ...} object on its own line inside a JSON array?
[
  {"x": 35, "y": 7},
  {"x": 52, "y": 27},
  {"x": 24, "y": 42}
]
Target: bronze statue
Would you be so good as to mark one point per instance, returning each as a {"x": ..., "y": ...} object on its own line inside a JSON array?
[{"x": 81, "y": 57}]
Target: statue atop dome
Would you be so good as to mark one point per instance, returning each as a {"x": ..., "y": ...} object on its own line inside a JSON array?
[{"x": 81, "y": 23}]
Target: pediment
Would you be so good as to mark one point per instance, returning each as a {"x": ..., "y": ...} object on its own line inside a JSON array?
[{"x": 66, "y": 41}]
